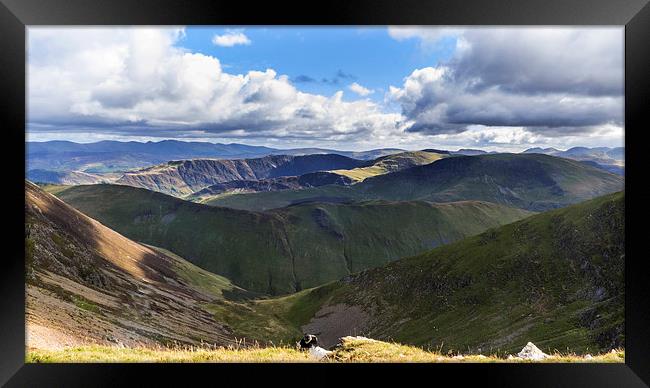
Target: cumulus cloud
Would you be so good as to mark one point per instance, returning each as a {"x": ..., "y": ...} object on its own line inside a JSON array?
[
  {"x": 360, "y": 90},
  {"x": 505, "y": 88},
  {"x": 554, "y": 81},
  {"x": 231, "y": 38},
  {"x": 138, "y": 81}
]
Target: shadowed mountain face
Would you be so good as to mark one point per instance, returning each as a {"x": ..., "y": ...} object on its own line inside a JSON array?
[
  {"x": 528, "y": 181},
  {"x": 188, "y": 176},
  {"x": 556, "y": 279},
  {"x": 314, "y": 179},
  {"x": 342, "y": 177},
  {"x": 89, "y": 284},
  {"x": 288, "y": 249}
]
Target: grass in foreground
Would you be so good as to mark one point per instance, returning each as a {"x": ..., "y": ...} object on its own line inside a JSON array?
[{"x": 352, "y": 349}]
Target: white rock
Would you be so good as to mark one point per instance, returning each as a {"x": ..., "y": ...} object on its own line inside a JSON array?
[
  {"x": 532, "y": 352},
  {"x": 319, "y": 353},
  {"x": 588, "y": 357}
]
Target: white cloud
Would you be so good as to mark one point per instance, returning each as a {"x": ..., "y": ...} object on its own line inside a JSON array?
[
  {"x": 503, "y": 88},
  {"x": 556, "y": 81},
  {"x": 231, "y": 38},
  {"x": 136, "y": 81},
  {"x": 428, "y": 36},
  {"x": 360, "y": 90}
]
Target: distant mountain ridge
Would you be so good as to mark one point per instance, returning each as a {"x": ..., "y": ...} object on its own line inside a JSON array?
[
  {"x": 117, "y": 156},
  {"x": 62, "y": 161},
  {"x": 529, "y": 181},
  {"x": 185, "y": 177},
  {"x": 605, "y": 158},
  {"x": 342, "y": 177}
]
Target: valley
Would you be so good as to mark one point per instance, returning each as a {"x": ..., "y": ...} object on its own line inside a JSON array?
[
  {"x": 463, "y": 252},
  {"x": 287, "y": 249},
  {"x": 554, "y": 278}
]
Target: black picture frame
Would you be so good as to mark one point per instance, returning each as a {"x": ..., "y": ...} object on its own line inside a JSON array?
[{"x": 15, "y": 15}]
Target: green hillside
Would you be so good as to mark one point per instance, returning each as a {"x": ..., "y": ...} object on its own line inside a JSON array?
[
  {"x": 267, "y": 200},
  {"x": 556, "y": 279},
  {"x": 391, "y": 163},
  {"x": 528, "y": 181},
  {"x": 289, "y": 249}
]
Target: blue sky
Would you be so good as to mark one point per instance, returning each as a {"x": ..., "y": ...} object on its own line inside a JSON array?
[
  {"x": 368, "y": 56},
  {"x": 506, "y": 88}
]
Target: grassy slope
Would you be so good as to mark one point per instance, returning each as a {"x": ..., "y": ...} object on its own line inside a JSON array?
[
  {"x": 530, "y": 181},
  {"x": 88, "y": 284},
  {"x": 288, "y": 249},
  {"x": 555, "y": 279},
  {"x": 391, "y": 163},
  {"x": 351, "y": 350},
  {"x": 276, "y": 199}
]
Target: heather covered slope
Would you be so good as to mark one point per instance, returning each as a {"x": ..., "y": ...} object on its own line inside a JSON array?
[
  {"x": 289, "y": 249},
  {"x": 87, "y": 284},
  {"x": 528, "y": 181},
  {"x": 556, "y": 279}
]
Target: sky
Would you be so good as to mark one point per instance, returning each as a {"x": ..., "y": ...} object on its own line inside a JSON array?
[{"x": 346, "y": 88}]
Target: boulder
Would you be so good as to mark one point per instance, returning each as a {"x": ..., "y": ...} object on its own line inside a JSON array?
[
  {"x": 532, "y": 352},
  {"x": 319, "y": 353}
]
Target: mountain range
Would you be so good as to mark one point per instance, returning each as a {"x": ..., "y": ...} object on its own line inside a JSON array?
[
  {"x": 289, "y": 249},
  {"x": 609, "y": 159},
  {"x": 166, "y": 243},
  {"x": 74, "y": 163},
  {"x": 529, "y": 181},
  {"x": 342, "y": 177},
  {"x": 116, "y": 156},
  {"x": 554, "y": 278},
  {"x": 185, "y": 177}
]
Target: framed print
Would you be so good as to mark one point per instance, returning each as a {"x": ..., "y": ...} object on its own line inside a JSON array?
[{"x": 369, "y": 188}]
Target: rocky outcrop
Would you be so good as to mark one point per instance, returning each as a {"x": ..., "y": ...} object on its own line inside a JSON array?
[
  {"x": 531, "y": 352},
  {"x": 183, "y": 177}
]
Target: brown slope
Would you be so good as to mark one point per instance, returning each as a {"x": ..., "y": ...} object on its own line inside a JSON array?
[{"x": 88, "y": 284}]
